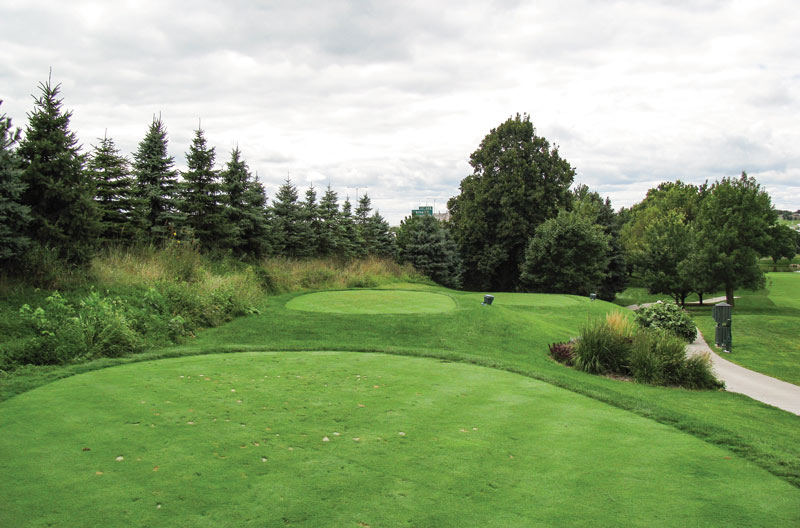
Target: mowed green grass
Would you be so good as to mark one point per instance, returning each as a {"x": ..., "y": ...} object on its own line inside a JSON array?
[
  {"x": 766, "y": 328},
  {"x": 354, "y": 439},
  {"x": 514, "y": 336},
  {"x": 373, "y": 302}
]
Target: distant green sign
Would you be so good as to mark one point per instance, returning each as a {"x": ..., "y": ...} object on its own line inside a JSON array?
[{"x": 422, "y": 211}]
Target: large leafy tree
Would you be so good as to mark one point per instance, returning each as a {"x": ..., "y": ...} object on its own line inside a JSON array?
[
  {"x": 518, "y": 182},
  {"x": 14, "y": 216},
  {"x": 668, "y": 242},
  {"x": 113, "y": 191},
  {"x": 782, "y": 242},
  {"x": 156, "y": 206},
  {"x": 567, "y": 254},
  {"x": 734, "y": 229},
  {"x": 589, "y": 204},
  {"x": 425, "y": 243},
  {"x": 60, "y": 195},
  {"x": 200, "y": 196},
  {"x": 244, "y": 201}
]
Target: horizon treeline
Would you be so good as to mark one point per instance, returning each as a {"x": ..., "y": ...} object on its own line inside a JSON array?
[{"x": 59, "y": 204}]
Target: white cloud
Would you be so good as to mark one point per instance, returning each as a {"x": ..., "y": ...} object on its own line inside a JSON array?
[{"x": 392, "y": 98}]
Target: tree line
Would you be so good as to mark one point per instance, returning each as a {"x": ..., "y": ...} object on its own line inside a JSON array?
[
  {"x": 517, "y": 224},
  {"x": 57, "y": 201},
  {"x": 520, "y": 225}
]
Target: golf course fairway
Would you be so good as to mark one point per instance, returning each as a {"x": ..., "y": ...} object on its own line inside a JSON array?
[{"x": 357, "y": 439}]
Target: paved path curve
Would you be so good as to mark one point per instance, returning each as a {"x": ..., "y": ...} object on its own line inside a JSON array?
[{"x": 758, "y": 386}]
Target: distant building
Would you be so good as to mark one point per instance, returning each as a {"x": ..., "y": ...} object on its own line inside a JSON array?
[{"x": 444, "y": 217}]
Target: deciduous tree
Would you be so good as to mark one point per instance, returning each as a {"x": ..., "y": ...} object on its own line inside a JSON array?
[
  {"x": 519, "y": 180},
  {"x": 567, "y": 254}
]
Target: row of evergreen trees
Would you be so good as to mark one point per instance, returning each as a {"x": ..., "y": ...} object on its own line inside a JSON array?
[{"x": 54, "y": 197}]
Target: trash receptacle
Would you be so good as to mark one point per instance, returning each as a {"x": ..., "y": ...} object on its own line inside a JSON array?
[{"x": 487, "y": 300}]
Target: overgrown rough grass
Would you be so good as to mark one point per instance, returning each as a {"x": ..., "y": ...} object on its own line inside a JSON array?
[
  {"x": 284, "y": 275},
  {"x": 132, "y": 299}
]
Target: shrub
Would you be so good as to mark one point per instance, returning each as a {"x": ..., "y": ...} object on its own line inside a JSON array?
[
  {"x": 669, "y": 317},
  {"x": 697, "y": 374},
  {"x": 601, "y": 349},
  {"x": 99, "y": 326},
  {"x": 659, "y": 358},
  {"x": 563, "y": 352}
]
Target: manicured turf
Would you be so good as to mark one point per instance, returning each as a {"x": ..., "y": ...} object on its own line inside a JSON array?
[
  {"x": 373, "y": 302},
  {"x": 766, "y": 328},
  {"x": 240, "y": 440}
]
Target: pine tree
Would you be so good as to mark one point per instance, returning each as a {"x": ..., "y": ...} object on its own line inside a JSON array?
[
  {"x": 156, "y": 209},
  {"x": 382, "y": 242},
  {"x": 200, "y": 192},
  {"x": 290, "y": 235},
  {"x": 244, "y": 202},
  {"x": 361, "y": 219},
  {"x": 331, "y": 239},
  {"x": 312, "y": 220},
  {"x": 353, "y": 244},
  {"x": 113, "y": 191},
  {"x": 14, "y": 216},
  {"x": 60, "y": 195},
  {"x": 426, "y": 244}
]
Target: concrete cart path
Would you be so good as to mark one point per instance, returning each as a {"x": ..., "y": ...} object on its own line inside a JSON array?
[
  {"x": 706, "y": 302},
  {"x": 758, "y": 386}
]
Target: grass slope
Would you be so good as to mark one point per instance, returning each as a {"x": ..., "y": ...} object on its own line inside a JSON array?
[
  {"x": 343, "y": 439},
  {"x": 765, "y": 328},
  {"x": 514, "y": 337}
]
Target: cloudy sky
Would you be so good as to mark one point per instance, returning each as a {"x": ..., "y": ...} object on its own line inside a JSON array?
[{"x": 390, "y": 98}]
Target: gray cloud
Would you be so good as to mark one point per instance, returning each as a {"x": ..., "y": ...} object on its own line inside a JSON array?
[{"x": 393, "y": 97}]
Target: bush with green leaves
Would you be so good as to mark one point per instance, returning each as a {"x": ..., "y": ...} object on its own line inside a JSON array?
[
  {"x": 97, "y": 326},
  {"x": 668, "y": 317}
]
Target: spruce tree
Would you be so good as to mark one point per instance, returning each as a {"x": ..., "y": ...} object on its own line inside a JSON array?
[
  {"x": 382, "y": 242},
  {"x": 156, "y": 208},
  {"x": 361, "y": 219},
  {"x": 425, "y": 243},
  {"x": 200, "y": 195},
  {"x": 312, "y": 221},
  {"x": 113, "y": 191},
  {"x": 331, "y": 240},
  {"x": 244, "y": 202},
  {"x": 60, "y": 195},
  {"x": 14, "y": 216},
  {"x": 290, "y": 235},
  {"x": 353, "y": 243}
]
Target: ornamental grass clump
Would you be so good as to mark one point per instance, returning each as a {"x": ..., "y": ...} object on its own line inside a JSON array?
[
  {"x": 602, "y": 349},
  {"x": 668, "y": 317},
  {"x": 615, "y": 346}
]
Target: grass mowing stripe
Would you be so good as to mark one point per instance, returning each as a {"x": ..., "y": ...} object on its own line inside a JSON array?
[{"x": 439, "y": 444}]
